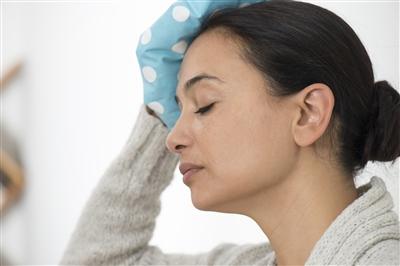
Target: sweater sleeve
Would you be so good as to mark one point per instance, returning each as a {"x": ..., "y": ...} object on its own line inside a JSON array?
[{"x": 119, "y": 218}]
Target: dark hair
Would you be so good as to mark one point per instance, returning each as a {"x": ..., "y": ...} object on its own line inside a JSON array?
[{"x": 295, "y": 44}]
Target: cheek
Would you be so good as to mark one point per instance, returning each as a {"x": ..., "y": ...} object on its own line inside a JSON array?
[
  {"x": 259, "y": 148},
  {"x": 242, "y": 156},
  {"x": 233, "y": 145}
]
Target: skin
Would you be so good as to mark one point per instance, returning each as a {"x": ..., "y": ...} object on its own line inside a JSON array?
[{"x": 258, "y": 152}]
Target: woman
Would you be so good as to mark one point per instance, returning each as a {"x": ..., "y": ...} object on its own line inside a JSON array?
[{"x": 279, "y": 112}]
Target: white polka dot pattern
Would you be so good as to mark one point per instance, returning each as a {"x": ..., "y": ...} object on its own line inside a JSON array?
[
  {"x": 180, "y": 13},
  {"x": 149, "y": 73},
  {"x": 156, "y": 107},
  {"x": 146, "y": 37},
  {"x": 161, "y": 49},
  {"x": 180, "y": 47}
]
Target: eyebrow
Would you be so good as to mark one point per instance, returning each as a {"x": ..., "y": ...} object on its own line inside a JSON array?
[{"x": 193, "y": 81}]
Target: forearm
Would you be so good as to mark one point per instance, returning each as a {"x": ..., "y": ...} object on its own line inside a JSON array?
[
  {"x": 119, "y": 219},
  {"x": 151, "y": 112}
]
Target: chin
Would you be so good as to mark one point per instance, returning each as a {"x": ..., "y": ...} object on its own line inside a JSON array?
[
  {"x": 205, "y": 202},
  {"x": 200, "y": 203}
]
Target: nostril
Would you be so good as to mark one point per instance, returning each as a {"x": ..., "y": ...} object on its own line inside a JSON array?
[{"x": 176, "y": 147}]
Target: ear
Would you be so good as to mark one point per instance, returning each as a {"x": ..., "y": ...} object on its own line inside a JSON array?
[{"x": 315, "y": 105}]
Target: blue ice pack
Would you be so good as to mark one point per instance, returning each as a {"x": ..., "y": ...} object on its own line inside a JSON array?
[{"x": 161, "y": 48}]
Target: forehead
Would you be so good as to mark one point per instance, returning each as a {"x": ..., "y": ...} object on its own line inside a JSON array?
[{"x": 212, "y": 53}]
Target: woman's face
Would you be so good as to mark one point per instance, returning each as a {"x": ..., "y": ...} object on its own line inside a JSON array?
[{"x": 243, "y": 142}]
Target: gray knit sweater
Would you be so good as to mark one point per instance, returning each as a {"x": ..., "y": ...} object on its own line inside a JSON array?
[{"x": 118, "y": 221}]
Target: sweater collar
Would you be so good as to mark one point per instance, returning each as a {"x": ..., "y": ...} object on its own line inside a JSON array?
[{"x": 357, "y": 227}]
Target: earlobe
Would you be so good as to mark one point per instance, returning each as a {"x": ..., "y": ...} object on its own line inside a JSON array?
[{"x": 315, "y": 105}]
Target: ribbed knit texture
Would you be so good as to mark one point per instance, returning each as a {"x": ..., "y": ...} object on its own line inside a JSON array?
[{"x": 119, "y": 218}]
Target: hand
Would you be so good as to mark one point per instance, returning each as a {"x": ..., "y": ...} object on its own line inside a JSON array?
[
  {"x": 151, "y": 112},
  {"x": 161, "y": 48}
]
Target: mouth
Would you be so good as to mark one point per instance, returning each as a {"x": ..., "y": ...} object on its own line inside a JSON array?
[
  {"x": 188, "y": 175},
  {"x": 186, "y": 166}
]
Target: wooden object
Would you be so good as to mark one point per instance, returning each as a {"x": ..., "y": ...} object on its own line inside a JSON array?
[{"x": 11, "y": 169}]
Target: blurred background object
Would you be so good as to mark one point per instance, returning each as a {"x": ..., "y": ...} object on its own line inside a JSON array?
[
  {"x": 11, "y": 166},
  {"x": 9, "y": 75}
]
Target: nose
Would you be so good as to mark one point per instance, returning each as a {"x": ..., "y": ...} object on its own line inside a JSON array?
[{"x": 177, "y": 138}]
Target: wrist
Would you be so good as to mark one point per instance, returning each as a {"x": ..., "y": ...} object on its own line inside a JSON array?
[{"x": 152, "y": 113}]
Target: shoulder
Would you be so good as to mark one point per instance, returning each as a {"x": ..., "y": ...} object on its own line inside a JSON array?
[{"x": 385, "y": 252}]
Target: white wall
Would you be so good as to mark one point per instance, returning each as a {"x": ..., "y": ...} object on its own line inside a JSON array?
[{"x": 75, "y": 102}]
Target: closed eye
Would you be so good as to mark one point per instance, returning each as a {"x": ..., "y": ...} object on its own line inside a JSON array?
[{"x": 204, "y": 109}]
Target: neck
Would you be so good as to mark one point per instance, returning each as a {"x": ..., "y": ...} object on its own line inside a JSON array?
[{"x": 295, "y": 213}]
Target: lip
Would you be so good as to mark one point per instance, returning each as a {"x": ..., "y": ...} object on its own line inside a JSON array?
[
  {"x": 184, "y": 167},
  {"x": 188, "y": 175}
]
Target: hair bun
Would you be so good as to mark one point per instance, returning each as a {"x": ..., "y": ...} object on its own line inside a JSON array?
[
  {"x": 385, "y": 87},
  {"x": 382, "y": 141}
]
